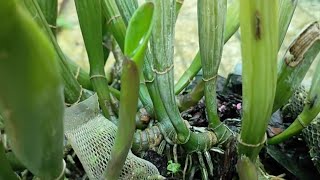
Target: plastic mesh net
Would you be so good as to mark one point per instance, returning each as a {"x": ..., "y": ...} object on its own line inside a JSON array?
[
  {"x": 311, "y": 135},
  {"x": 295, "y": 104},
  {"x": 92, "y": 137}
]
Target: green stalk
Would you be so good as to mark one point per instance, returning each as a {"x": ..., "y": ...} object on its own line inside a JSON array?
[
  {"x": 126, "y": 9},
  {"x": 190, "y": 99},
  {"x": 162, "y": 50},
  {"x": 32, "y": 93},
  {"x": 145, "y": 97},
  {"x": 160, "y": 112},
  {"x": 310, "y": 111},
  {"x": 198, "y": 141},
  {"x": 84, "y": 79},
  {"x": 6, "y": 171},
  {"x": 130, "y": 46},
  {"x": 80, "y": 74},
  {"x": 286, "y": 10},
  {"x": 259, "y": 43},
  {"x": 296, "y": 62},
  {"x": 143, "y": 92},
  {"x": 114, "y": 21},
  {"x": 118, "y": 28},
  {"x": 232, "y": 20},
  {"x": 305, "y": 47},
  {"x": 137, "y": 37},
  {"x": 89, "y": 14},
  {"x": 246, "y": 169},
  {"x": 188, "y": 75},
  {"x": 72, "y": 91},
  {"x": 50, "y": 10},
  {"x": 211, "y": 18},
  {"x": 149, "y": 77},
  {"x": 126, "y": 126},
  {"x": 232, "y": 25}
]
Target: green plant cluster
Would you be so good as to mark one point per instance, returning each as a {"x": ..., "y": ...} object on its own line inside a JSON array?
[{"x": 39, "y": 81}]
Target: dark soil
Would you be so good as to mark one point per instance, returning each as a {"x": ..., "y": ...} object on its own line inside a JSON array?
[{"x": 160, "y": 161}]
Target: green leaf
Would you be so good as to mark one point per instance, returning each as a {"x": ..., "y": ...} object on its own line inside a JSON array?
[
  {"x": 173, "y": 167},
  {"x": 138, "y": 33},
  {"x": 31, "y": 93},
  {"x": 127, "y": 114}
]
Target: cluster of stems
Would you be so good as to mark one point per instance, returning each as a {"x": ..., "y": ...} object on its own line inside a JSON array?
[{"x": 148, "y": 71}]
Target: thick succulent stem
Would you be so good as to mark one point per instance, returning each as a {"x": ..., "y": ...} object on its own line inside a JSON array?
[
  {"x": 126, "y": 9},
  {"x": 162, "y": 51},
  {"x": 89, "y": 14},
  {"x": 114, "y": 21},
  {"x": 162, "y": 48},
  {"x": 211, "y": 18},
  {"x": 259, "y": 44}
]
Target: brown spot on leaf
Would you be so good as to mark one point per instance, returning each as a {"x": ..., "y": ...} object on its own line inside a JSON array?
[
  {"x": 302, "y": 44},
  {"x": 258, "y": 25}
]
